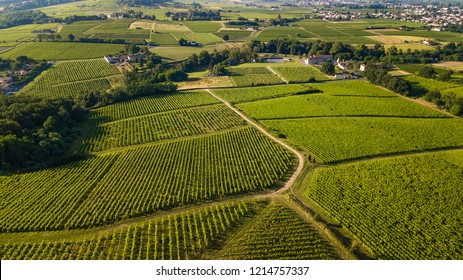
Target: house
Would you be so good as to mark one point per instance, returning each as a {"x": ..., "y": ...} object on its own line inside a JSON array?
[
  {"x": 318, "y": 59},
  {"x": 362, "y": 67},
  {"x": 111, "y": 59},
  {"x": 275, "y": 59},
  {"x": 430, "y": 42}
]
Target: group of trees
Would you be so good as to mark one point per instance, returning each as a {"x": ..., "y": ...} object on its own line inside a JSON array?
[
  {"x": 33, "y": 4},
  {"x": 430, "y": 73},
  {"x": 449, "y": 101},
  {"x": 35, "y": 131},
  {"x": 195, "y": 14},
  {"x": 381, "y": 77},
  {"x": 15, "y": 18}
]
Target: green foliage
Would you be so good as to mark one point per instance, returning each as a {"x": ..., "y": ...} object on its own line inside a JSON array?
[
  {"x": 256, "y": 80},
  {"x": 300, "y": 74},
  {"x": 278, "y": 234},
  {"x": 256, "y": 93},
  {"x": 337, "y": 139},
  {"x": 174, "y": 75},
  {"x": 150, "y": 128},
  {"x": 233, "y": 34},
  {"x": 401, "y": 208},
  {"x": 328, "y": 68},
  {"x": 175, "y": 237},
  {"x": 152, "y": 104},
  {"x": 141, "y": 180}
]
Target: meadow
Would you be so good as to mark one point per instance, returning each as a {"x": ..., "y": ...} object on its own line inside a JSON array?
[
  {"x": 62, "y": 50},
  {"x": 401, "y": 208},
  {"x": 351, "y": 138}
]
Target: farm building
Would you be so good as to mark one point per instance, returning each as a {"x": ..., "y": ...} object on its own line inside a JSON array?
[
  {"x": 318, "y": 59},
  {"x": 111, "y": 59}
]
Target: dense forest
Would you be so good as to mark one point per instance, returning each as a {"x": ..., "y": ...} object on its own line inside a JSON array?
[{"x": 16, "y": 18}]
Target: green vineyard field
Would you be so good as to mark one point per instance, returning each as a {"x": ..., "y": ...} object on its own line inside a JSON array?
[
  {"x": 401, "y": 208},
  {"x": 174, "y": 237},
  {"x": 256, "y": 93},
  {"x": 337, "y": 139},
  {"x": 142, "y": 180},
  {"x": 279, "y": 233},
  {"x": 300, "y": 74},
  {"x": 150, "y": 128}
]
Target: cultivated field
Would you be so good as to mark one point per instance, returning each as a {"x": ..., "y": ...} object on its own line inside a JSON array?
[
  {"x": 256, "y": 93},
  {"x": 401, "y": 208},
  {"x": 300, "y": 74}
]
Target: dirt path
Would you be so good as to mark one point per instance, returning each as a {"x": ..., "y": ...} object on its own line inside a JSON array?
[
  {"x": 300, "y": 157},
  {"x": 278, "y": 75}
]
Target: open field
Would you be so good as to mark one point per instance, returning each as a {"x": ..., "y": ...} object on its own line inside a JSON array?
[
  {"x": 178, "y": 53},
  {"x": 253, "y": 76},
  {"x": 203, "y": 26},
  {"x": 452, "y": 65},
  {"x": 401, "y": 208},
  {"x": 22, "y": 33},
  {"x": 430, "y": 84},
  {"x": 350, "y": 138},
  {"x": 62, "y": 50},
  {"x": 283, "y": 32}
]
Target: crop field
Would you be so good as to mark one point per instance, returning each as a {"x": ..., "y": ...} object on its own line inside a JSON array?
[
  {"x": 150, "y": 128},
  {"x": 152, "y": 104},
  {"x": 175, "y": 237},
  {"x": 233, "y": 34},
  {"x": 457, "y": 91},
  {"x": 202, "y": 38},
  {"x": 430, "y": 84},
  {"x": 452, "y": 65},
  {"x": 73, "y": 77},
  {"x": 256, "y": 93},
  {"x": 279, "y": 233},
  {"x": 414, "y": 68},
  {"x": 250, "y": 70},
  {"x": 256, "y": 80},
  {"x": 163, "y": 39},
  {"x": 23, "y": 32},
  {"x": 401, "y": 208},
  {"x": 300, "y": 74},
  {"x": 274, "y": 32},
  {"x": 172, "y": 53},
  {"x": 170, "y": 26},
  {"x": 142, "y": 180},
  {"x": 322, "y": 104},
  {"x": 78, "y": 29},
  {"x": 338, "y": 139},
  {"x": 62, "y": 50},
  {"x": 352, "y": 88},
  {"x": 202, "y": 26}
]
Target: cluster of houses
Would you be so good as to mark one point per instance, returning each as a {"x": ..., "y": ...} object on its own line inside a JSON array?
[
  {"x": 124, "y": 59},
  {"x": 7, "y": 81},
  {"x": 344, "y": 66}
]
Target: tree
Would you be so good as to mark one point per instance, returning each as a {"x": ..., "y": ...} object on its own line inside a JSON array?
[
  {"x": 175, "y": 75},
  {"x": 226, "y": 37},
  {"x": 328, "y": 68},
  {"x": 71, "y": 37},
  {"x": 427, "y": 72},
  {"x": 218, "y": 70},
  {"x": 58, "y": 37},
  {"x": 182, "y": 42}
]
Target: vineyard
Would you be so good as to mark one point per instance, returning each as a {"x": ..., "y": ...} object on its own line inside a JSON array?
[
  {"x": 300, "y": 74},
  {"x": 401, "y": 208},
  {"x": 151, "y": 105},
  {"x": 150, "y": 128},
  {"x": 174, "y": 237},
  {"x": 233, "y": 34},
  {"x": 278, "y": 233},
  {"x": 350, "y": 138},
  {"x": 256, "y": 80},
  {"x": 319, "y": 105},
  {"x": 142, "y": 180},
  {"x": 73, "y": 77},
  {"x": 256, "y": 93},
  {"x": 352, "y": 88}
]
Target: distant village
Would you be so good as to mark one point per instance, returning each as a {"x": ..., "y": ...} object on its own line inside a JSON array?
[{"x": 9, "y": 78}]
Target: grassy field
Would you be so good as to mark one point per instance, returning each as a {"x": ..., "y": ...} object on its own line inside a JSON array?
[
  {"x": 62, "y": 51},
  {"x": 401, "y": 208},
  {"x": 202, "y": 26},
  {"x": 233, "y": 34},
  {"x": 338, "y": 139},
  {"x": 23, "y": 33},
  {"x": 430, "y": 84},
  {"x": 253, "y": 76},
  {"x": 283, "y": 32},
  {"x": 172, "y": 53}
]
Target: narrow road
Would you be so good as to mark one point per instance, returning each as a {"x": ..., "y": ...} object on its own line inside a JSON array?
[
  {"x": 278, "y": 75},
  {"x": 300, "y": 157}
]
